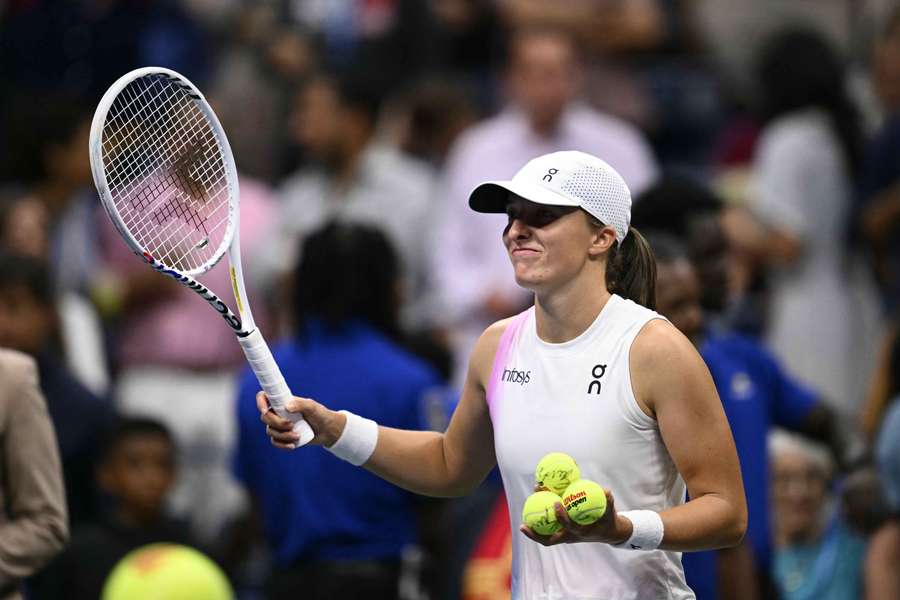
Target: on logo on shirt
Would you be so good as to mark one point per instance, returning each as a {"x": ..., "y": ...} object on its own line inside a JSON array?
[{"x": 597, "y": 372}]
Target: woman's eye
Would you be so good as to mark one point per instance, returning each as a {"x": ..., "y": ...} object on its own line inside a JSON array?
[{"x": 547, "y": 216}]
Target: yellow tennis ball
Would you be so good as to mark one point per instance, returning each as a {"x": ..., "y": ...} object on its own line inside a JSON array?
[
  {"x": 556, "y": 472},
  {"x": 585, "y": 501},
  {"x": 538, "y": 512},
  {"x": 166, "y": 572}
]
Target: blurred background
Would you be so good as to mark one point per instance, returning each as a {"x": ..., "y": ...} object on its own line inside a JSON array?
[{"x": 761, "y": 143}]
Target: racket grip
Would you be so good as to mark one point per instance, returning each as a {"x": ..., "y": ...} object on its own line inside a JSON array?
[{"x": 272, "y": 381}]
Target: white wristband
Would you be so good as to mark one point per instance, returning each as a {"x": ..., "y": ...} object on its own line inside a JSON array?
[
  {"x": 357, "y": 441},
  {"x": 647, "y": 530}
]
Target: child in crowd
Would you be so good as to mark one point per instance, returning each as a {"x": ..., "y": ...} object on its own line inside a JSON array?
[{"x": 136, "y": 472}]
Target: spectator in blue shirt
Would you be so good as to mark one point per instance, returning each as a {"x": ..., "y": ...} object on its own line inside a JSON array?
[
  {"x": 756, "y": 395},
  {"x": 882, "y": 578},
  {"x": 337, "y": 531},
  {"x": 817, "y": 556}
]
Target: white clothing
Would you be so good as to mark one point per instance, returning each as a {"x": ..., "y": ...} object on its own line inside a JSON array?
[
  {"x": 576, "y": 397},
  {"x": 198, "y": 408},
  {"x": 82, "y": 339},
  {"x": 470, "y": 262},
  {"x": 73, "y": 262},
  {"x": 391, "y": 191},
  {"x": 821, "y": 306}
]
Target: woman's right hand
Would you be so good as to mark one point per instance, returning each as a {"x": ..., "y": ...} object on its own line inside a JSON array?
[{"x": 327, "y": 424}]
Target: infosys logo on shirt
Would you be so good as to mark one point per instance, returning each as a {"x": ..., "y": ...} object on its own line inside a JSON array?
[{"x": 514, "y": 376}]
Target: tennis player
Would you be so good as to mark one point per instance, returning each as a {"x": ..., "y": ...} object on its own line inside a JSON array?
[{"x": 590, "y": 370}]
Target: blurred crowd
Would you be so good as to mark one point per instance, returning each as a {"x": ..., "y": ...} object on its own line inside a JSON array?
[{"x": 761, "y": 143}]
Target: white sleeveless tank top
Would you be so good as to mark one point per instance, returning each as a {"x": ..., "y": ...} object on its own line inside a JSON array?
[{"x": 576, "y": 397}]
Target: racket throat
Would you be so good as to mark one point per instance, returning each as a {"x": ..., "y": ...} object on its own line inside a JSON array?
[{"x": 233, "y": 320}]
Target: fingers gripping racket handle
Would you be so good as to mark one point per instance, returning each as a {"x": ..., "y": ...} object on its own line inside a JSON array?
[{"x": 272, "y": 381}]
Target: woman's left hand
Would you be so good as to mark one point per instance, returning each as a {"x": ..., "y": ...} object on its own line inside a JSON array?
[{"x": 611, "y": 528}]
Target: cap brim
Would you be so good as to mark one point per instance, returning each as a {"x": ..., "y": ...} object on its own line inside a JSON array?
[{"x": 492, "y": 196}]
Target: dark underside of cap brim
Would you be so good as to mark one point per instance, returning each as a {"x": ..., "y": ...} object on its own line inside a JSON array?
[{"x": 489, "y": 198}]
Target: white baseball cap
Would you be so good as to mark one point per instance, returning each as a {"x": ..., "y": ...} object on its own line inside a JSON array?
[{"x": 567, "y": 178}]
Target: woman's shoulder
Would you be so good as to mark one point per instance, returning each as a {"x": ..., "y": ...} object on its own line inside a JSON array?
[
  {"x": 629, "y": 319},
  {"x": 659, "y": 344},
  {"x": 657, "y": 333},
  {"x": 491, "y": 338},
  {"x": 626, "y": 308}
]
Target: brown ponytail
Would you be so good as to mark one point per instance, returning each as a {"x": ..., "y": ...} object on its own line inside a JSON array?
[{"x": 631, "y": 270}]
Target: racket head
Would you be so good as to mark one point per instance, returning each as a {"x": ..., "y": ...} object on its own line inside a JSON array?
[{"x": 164, "y": 170}]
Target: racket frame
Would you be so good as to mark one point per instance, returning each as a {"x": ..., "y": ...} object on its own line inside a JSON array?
[{"x": 242, "y": 324}]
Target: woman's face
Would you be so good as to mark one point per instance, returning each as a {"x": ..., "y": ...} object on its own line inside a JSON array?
[
  {"x": 799, "y": 492},
  {"x": 548, "y": 245}
]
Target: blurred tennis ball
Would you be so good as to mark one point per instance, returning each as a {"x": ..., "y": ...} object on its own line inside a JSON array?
[
  {"x": 166, "y": 572},
  {"x": 556, "y": 471},
  {"x": 585, "y": 501},
  {"x": 538, "y": 513}
]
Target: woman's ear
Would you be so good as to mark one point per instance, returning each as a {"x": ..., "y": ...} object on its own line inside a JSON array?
[{"x": 601, "y": 241}]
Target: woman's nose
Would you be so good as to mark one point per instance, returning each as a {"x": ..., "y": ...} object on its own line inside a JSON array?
[{"x": 517, "y": 229}]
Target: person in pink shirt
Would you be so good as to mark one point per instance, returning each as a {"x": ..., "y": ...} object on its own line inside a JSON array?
[{"x": 169, "y": 346}]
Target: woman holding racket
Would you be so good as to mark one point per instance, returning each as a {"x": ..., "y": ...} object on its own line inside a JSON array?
[{"x": 590, "y": 370}]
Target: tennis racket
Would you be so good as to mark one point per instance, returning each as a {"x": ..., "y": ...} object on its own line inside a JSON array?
[{"x": 166, "y": 177}]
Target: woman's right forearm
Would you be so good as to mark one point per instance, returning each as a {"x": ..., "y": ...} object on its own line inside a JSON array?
[
  {"x": 418, "y": 461},
  {"x": 445, "y": 464},
  {"x": 430, "y": 463}
]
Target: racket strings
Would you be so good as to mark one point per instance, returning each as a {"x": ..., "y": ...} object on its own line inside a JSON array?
[
  {"x": 158, "y": 131},
  {"x": 122, "y": 162},
  {"x": 166, "y": 173},
  {"x": 146, "y": 196},
  {"x": 168, "y": 249}
]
